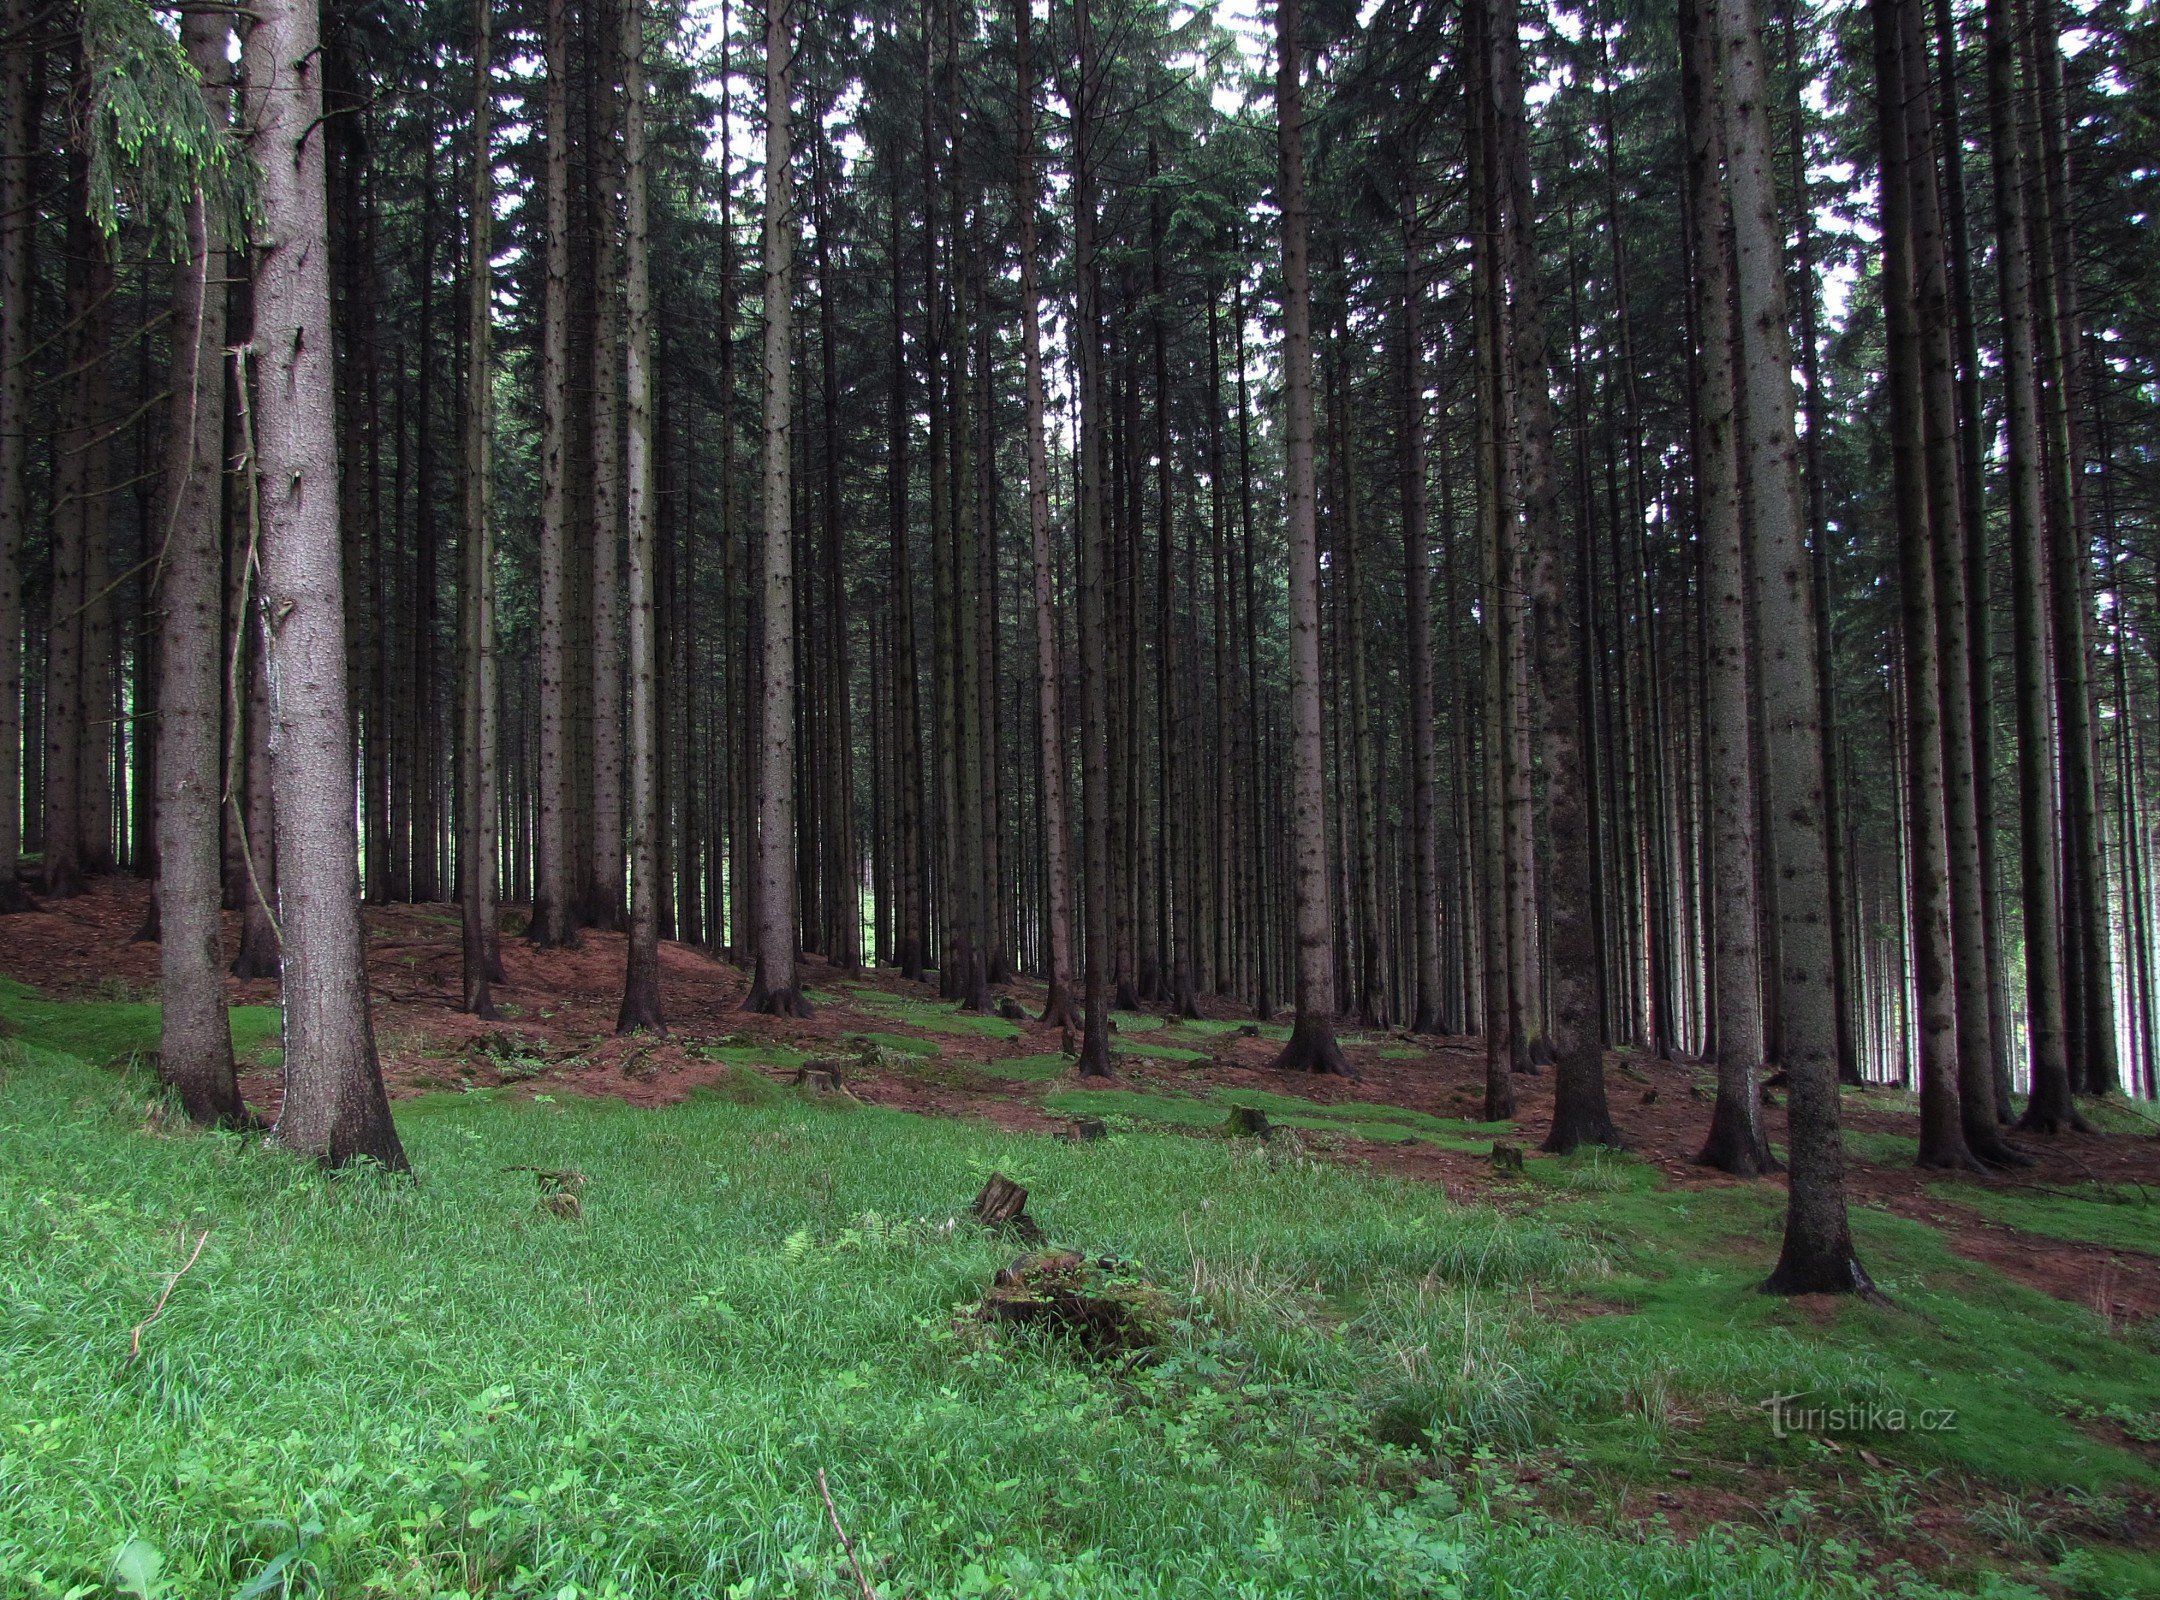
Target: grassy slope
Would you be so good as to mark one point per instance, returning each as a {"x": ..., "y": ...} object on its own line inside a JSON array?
[{"x": 463, "y": 1394}]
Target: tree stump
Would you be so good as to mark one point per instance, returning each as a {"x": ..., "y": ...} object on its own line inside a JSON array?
[
  {"x": 1010, "y": 1009},
  {"x": 821, "y": 1076},
  {"x": 1104, "y": 1307},
  {"x": 1002, "y": 1208},
  {"x": 1085, "y": 1130},
  {"x": 1507, "y": 1157},
  {"x": 1247, "y": 1122}
]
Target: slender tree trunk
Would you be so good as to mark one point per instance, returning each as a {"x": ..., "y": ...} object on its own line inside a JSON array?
[
  {"x": 18, "y": 227},
  {"x": 1736, "y": 1142},
  {"x": 1907, "y": 185},
  {"x": 1429, "y": 1008},
  {"x": 1817, "y": 1254},
  {"x": 480, "y": 917},
  {"x": 334, "y": 1107},
  {"x": 1060, "y": 1010},
  {"x": 641, "y": 977},
  {"x": 195, "y": 1053},
  {"x": 1096, "y": 886},
  {"x": 774, "y": 989},
  {"x": 551, "y": 923},
  {"x": 1312, "y": 1043},
  {"x": 1576, "y": 1032},
  {"x": 2050, "y": 1108},
  {"x": 603, "y": 896}
]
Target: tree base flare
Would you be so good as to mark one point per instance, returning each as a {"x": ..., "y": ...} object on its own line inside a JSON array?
[
  {"x": 785, "y": 1001},
  {"x": 641, "y": 1007},
  {"x": 1312, "y": 1048}
]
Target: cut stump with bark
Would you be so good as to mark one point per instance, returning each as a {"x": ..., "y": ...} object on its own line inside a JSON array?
[{"x": 1002, "y": 1208}]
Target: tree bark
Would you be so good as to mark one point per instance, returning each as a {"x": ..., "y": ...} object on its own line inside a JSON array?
[
  {"x": 195, "y": 1054},
  {"x": 773, "y": 990},
  {"x": 1312, "y": 1043},
  {"x": 551, "y": 923},
  {"x": 480, "y": 914},
  {"x": 641, "y": 1006},
  {"x": 18, "y": 227},
  {"x": 1817, "y": 1254},
  {"x": 1060, "y": 1009},
  {"x": 334, "y": 1108},
  {"x": 1736, "y": 1142},
  {"x": 2050, "y": 1108}
]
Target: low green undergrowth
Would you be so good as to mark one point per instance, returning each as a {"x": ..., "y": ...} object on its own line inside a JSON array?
[
  {"x": 2118, "y": 1216},
  {"x": 448, "y": 1386},
  {"x": 1354, "y": 1119}
]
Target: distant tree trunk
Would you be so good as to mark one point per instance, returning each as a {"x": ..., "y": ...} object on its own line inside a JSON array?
[
  {"x": 1949, "y": 537},
  {"x": 1096, "y": 888},
  {"x": 481, "y": 942},
  {"x": 641, "y": 978},
  {"x": 1904, "y": 167},
  {"x": 1736, "y": 1142},
  {"x": 1576, "y": 1027},
  {"x": 603, "y": 896},
  {"x": 551, "y": 923},
  {"x": 1817, "y": 1255},
  {"x": 774, "y": 990},
  {"x": 195, "y": 1052},
  {"x": 334, "y": 1107},
  {"x": 1429, "y": 1006},
  {"x": 1312, "y": 1043},
  {"x": 1494, "y": 528},
  {"x": 1060, "y": 1009},
  {"x": 2050, "y": 1108},
  {"x": 18, "y": 227},
  {"x": 2090, "y": 979},
  {"x": 77, "y": 511}
]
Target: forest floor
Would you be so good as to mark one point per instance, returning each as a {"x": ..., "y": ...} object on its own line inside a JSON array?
[{"x": 1591, "y": 1359}]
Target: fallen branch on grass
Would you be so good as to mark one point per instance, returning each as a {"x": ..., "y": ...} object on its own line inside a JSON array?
[{"x": 158, "y": 1310}]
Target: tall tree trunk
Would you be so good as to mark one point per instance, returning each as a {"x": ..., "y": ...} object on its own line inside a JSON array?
[
  {"x": 477, "y": 850},
  {"x": 334, "y": 1108},
  {"x": 641, "y": 976},
  {"x": 1907, "y": 185},
  {"x": 603, "y": 895},
  {"x": 1817, "y": 1254},
  {"x": 1096, "y": 885},
  {"x": 195, "y": 1052},
  {"x": 1312, "y": 1043},
  {"x": 1060, "y": 1009},
  {"x": 1495, "y": 610},
  {"x": 774, "y": 990},
  {"x": 552, "y": 922},
  {"x": 1576, "y": 1031},
  {"x": 2050, "y": 1108},
  {"x": 18, "y": 226},
  {"x": 1428, "y": 1007},
  {"x": 1736, "y": 1142}
]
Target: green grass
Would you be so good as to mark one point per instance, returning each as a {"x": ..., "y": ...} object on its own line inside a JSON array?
[
  {"x": 434, "y": 1388},
  {"x": 1215, "y": 1027},
  {"x": 933, "y": 1016},
  {"x": 1355, "y": 1119},
  {"x": 113, "y": 1030},
  {"x": 757, "y": 1055},
  {"x": 906, "y": 1043},
  {"x": 2120, "y": 1217},
  {"x": 1152, "y": 1051}
]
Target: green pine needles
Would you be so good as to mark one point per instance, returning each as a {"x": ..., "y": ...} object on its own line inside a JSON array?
[{"x": 149, "y": 139}]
